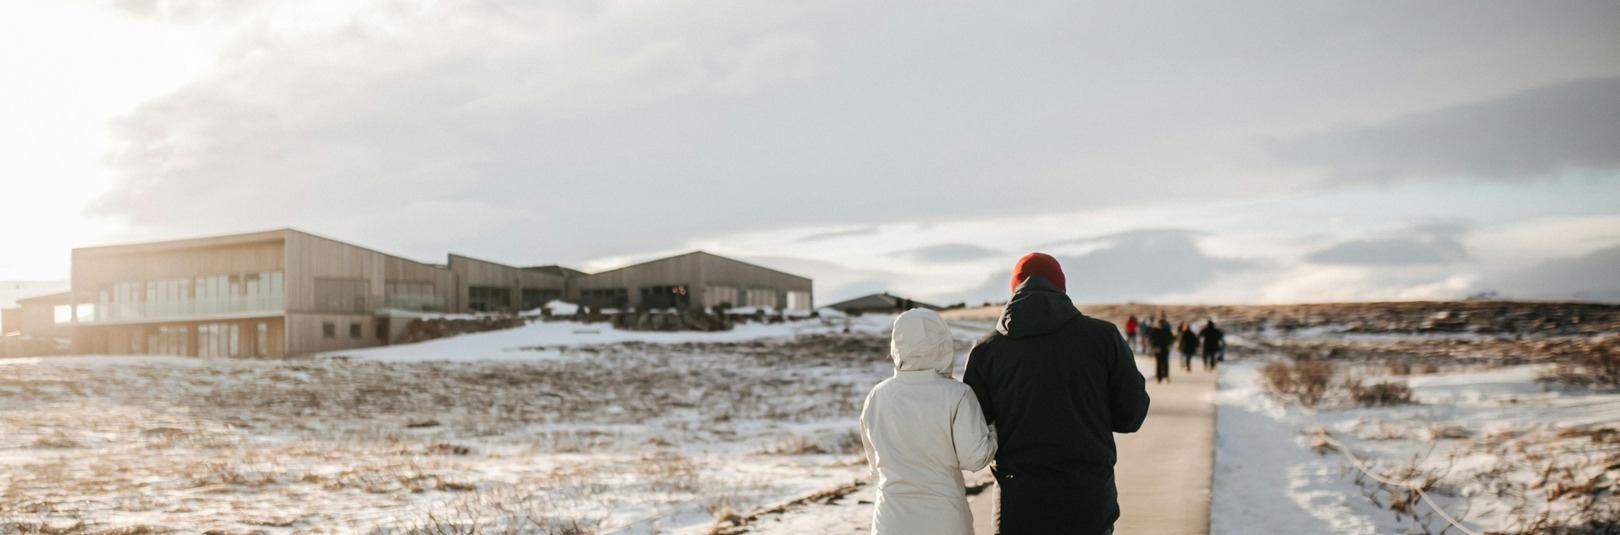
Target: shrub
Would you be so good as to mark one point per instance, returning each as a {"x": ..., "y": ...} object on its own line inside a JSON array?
[
  {"x": 1597, "y": 368},
  {"x": 1306, "y": 381},
  {"x": 1380, "y": 394}
]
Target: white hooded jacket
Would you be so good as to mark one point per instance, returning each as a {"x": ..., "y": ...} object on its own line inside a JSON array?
[{"x": 921, "y": 430}]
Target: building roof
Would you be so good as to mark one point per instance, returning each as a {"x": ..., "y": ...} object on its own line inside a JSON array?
[
  {"x": 565, "y": 272},
  {"x": 59, "y": 297},
  {"x": 878, "y": 301},
  {"x": 702, "y": 253}
]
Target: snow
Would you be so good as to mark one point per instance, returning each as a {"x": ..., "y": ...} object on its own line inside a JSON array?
[
  {"x": 1480, "y": 431},
  {"x": 622, "y": 432},
  {"x": 545, "y": 339}
]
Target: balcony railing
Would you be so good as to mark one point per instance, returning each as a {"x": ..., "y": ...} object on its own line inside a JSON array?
[
  {"x": 411, "y": 302},
  {"x": 185, "y": 309}
]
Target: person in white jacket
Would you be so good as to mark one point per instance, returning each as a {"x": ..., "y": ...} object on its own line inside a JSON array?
[{"x": 921, "y": 429}]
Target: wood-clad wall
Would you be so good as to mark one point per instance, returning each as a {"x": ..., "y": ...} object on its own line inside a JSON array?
[
  {"x": 310, "y": 257},
  {"x": 684, "y": 269},
  {"x": 697, "y": 270},
  {"x": 474, "y": 272},
  {"x": 97, "y": 267}
]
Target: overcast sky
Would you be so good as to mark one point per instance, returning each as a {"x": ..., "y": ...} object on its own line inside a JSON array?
[{"x": 1170, "y": 152}]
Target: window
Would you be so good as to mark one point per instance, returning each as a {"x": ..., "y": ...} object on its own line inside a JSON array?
[
  {"x": 382, "y": 329},
  {"x": 659, "y": 297},
  {"x": 536, "y": 297},
  {"x": 261, "y": 341},
  {"x": 488, "y": 298},
  {"x": 798, "y": 300},
  {"x": 764, "y": 298},
  {"x": 412, "y": 296},
  {"x": 720, "y": 297},
  {"x": 168, "y": 340},
  {"x": 218, "y": 340},
  {"x": 329, "y": 329},
  {"x": 604, "y": 297},
  {"x": 354, "y": 331}
]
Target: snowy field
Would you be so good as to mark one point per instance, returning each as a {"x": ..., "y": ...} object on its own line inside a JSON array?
[
  {"x": 1493, "y": 446},
  {"x": 568, "y": 428},
  {"x": 553, "y": 427}
]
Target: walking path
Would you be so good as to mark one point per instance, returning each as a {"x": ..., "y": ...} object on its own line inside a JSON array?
[{"x": 1164, "y": 470}]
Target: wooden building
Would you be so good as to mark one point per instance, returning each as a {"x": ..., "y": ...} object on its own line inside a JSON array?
[
  {"x": 285, "y": 292},
  {"x": 39, "y": 325},
  {"x": 275, "y": 293},
  {"x": 490, "y": 287},
  {"x": 696, "y": 279}
]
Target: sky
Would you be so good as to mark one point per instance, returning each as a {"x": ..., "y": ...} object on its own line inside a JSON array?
[{"x": 1246, "y": 152}]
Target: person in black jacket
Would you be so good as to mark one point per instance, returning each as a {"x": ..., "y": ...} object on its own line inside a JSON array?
[
  {"x": 1162, "y": 338},
  {"x": 1214, "y": 344},
  {"x": 1057, "y": 385},
  {"x": 1187, "y": 341}
]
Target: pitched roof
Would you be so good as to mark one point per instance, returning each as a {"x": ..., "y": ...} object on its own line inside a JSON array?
[{"x": 878, "y": 301}]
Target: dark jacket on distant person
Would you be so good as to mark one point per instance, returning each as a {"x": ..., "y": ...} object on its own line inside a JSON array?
[
  {"x": 1214, "y": 339},
  {"x": 1188, "y": 341},
  {"x": 1057, "y": 385}
]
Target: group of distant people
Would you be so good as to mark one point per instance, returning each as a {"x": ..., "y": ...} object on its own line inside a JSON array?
[{"x": 1156, "y": 336}]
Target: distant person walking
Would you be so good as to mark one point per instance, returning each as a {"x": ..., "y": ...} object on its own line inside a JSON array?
[
  {"x": 1214, "y": 344},
  {"x": 1162, "y": 339},
  {"x": 1057, "y": 385},
  {"x": 1145, "y": 332},
  {"x": 1187, "y": 341},
  {"x": 1130, "y": 329},
  {"x": 921, "y": 429}
]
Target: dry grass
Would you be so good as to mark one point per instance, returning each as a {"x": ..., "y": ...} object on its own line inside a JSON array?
[
  {"x": 233, "y": 445},
  {"x": 1305, "y": 381},
  {"x": 1599, "y": 367}
]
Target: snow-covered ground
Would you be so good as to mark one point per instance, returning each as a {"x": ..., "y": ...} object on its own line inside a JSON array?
[
  {"x": 554, "y": 424},
  {"x": 1503, "y": 452}
]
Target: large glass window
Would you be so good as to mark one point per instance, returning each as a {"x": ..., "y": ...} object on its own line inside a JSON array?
[
  {"x": 489, "y": 298},
  {"x": 413, "y": 296},
  {"x": 721, "y": 297},
  {"x": 218, "y": 340},
  {"x": 657, "y": 297},
  {"x": 604, "y": 297},
  {"x": 168, "y": 340}
]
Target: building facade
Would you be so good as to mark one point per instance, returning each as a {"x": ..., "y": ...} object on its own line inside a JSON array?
[
  {"x": 267, "y": 294},
  {"x": 693, "y": 280},
  {"x": 286, "y": 292},
  {"x": 39, "y": 325},
  {"x": 486, "y": 286}
]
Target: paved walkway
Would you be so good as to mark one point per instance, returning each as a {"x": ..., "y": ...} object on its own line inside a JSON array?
[{"x": 1164, "y": 470}]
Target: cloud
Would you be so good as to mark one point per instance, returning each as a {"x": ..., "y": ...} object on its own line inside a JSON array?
[
  {"x": 948, "y": 252},
  {"x": 1536, "y": 133},
  {"x": 1132, "y": 265},
  {"x": 833, "y": 281},
  {"x": 1589, "y": 277},
  {"x": 836, "y": 234},
  {"x": 775, "y": 60},
  {"x": 1420, "y": 245}
]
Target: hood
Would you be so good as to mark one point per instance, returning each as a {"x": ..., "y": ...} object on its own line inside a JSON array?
[
  {"x": 1037, "y": 307},
  {"x": 922, "y": 341}
]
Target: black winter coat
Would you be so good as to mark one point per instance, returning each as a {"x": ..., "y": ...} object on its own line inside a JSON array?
[
  {"x": 1057, "y": 385},
  {"x": 1188, "y": 341}
]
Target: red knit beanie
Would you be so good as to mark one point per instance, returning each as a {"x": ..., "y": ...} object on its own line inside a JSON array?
[{"x": 1038, "y": 264}]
